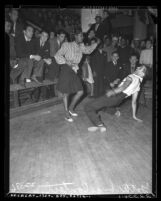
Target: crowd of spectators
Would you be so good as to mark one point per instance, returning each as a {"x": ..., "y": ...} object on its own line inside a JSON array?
[{"x": 32, "y": 51}]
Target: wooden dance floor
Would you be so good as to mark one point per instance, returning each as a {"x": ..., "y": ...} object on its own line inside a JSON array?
[{"x": 50, "y": 155}]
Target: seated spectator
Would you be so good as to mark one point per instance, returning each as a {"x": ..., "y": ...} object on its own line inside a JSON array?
[
  {"x": 146, "y": 58},
  {"x": 42, "y": 49},
  {"x": 131, "y": 66},
  {"x": 25, "y": 51},
  {"x": 124, "y": 52},
  {"x": 37, "y": 34},
  {"x": 98, "y": 62},
  {"x": 142, "y": 45},
  {"x": 113, "y": 71},
  {"x": 55, "y": 44},
  {"x": 7, "y": 48},
  {"x": 88, "y": 75}
]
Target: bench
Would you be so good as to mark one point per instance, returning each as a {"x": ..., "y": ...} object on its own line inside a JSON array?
[{"x": 30, "y": 86}]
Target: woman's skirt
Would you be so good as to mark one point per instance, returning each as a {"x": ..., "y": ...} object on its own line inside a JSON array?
[{"x": 68, "y": 82}]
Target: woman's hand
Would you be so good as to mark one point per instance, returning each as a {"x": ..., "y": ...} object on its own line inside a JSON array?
[{"x": 109, "y": 93}]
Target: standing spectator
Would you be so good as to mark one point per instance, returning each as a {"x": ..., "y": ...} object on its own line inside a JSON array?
[
  {"x": 136, "y": 46},
  {"x": 105, "y": 28},
  {"x": 112, "y": 48},
  {"x": 69, "y": 56},
  {"x": 59, "y": 25},
  {"x": 12, "y": 51},
  {"x": 7, "y": 48},
  {"x": 98, "y": 65},
  {"x": 107, "y": 43},
  {"x": 88, "y": 75},
  {"x": 96, "y": 26},
  {"x": 142, "y": 45},
  {"x": 124, "y": 52},
  {"x": 37, "y": 34},
  {"x": 67, "y": 27},
  {"x": 17, "y": 27}
]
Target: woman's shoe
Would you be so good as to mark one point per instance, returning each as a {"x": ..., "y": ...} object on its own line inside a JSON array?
[
  {"x": 73, "y": 113},
  {"x": 69, "y": 119}
]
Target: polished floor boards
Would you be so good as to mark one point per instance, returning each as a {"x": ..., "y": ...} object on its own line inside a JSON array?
[{"x": 50, "y": 155}]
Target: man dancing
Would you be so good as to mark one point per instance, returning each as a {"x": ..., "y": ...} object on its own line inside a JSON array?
[
  {"x": 130, "y": 86},
  {"x": 69, "y": 56}
]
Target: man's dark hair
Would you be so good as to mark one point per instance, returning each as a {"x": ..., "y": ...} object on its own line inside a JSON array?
[
  {"x": 100, "y": 46},
  {"x": 134, "y": 55},
  {"x": 115, "y": 52},
  {"x": 78, "y": 31},
  {"x": 60, "y": 31},
  {"x": 27, "y": 25}
]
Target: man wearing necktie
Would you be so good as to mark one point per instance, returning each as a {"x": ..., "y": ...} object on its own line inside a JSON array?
[
  {"x": 52, "y": 72},
  {"x": 17, "y": 27}
]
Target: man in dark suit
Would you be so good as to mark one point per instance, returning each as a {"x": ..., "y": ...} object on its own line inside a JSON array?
[
  {"x": 96, "y": 27},
  {"x": 98, "y": 64},
  {"x": 113, "y": 76},
  {"x": 42, "y": 49},
  {"x": 17, "y": 27},
  {"x": 113, "y": 72},
  {"x": 124, "y": 51},
  {"x": 55, "y": 44},
  {"x": 105, "y": 27},
  {"x": 25, "y": 51}
]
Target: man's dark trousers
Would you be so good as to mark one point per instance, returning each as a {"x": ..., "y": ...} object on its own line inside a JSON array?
[{"x": 94, "y": 106}]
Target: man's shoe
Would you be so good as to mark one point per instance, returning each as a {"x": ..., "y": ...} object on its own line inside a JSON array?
[
  {"x": 73, "y": 113},
  {"x": 36, "y": 79},
  {"x": 28, "y": 80},
  {"x": 93, "y": 128},
  {"x": 102, "y": 129}
]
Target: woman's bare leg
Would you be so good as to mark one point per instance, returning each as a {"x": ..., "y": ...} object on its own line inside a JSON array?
[{"x": 75, "y": 100}]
